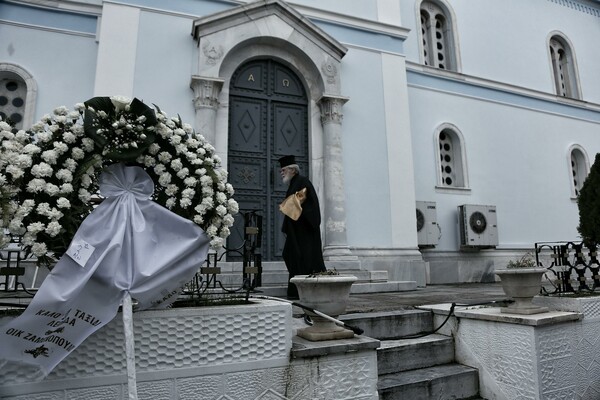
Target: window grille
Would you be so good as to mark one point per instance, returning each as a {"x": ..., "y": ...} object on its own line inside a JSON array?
[
  {"x": 579, "y": 170},
  {"x": 13, "y": 93},
  {"x": 563, "y": 68},
  {"x": 451, "y": 163},
  {"x": 436, "y": 34}
]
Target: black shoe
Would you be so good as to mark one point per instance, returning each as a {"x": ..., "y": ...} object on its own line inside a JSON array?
[{"x": 307, "y": 320}]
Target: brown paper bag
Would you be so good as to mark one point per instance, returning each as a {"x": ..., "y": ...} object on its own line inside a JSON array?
[{"x": 292, "y": 205}]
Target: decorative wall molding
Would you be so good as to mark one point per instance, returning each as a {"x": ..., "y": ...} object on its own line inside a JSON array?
[{"x": 578, "y": 6}]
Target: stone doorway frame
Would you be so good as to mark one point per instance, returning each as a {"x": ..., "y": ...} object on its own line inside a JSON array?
[{"x": 273, "y": 29}]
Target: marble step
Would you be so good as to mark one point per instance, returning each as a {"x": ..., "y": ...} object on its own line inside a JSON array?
[
  {"x": 386, "y": 325},
  {"x": 449, "y": 381},
  {"x": 407, "y": 354}
]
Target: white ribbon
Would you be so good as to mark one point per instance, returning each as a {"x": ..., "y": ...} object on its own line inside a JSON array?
[{"x": 128, "y": 244}]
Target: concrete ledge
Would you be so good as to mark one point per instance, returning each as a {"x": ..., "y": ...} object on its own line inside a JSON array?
[
  {"x": 497, "y": 315},
  {"x": 302, "y": 348},
  {"x": 380, "y": 287}
]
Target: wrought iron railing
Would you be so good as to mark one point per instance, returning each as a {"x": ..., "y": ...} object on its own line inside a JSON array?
[
  {"x": 12, "y": 256},
  {"x": 573, "y": 267},
  {"x": 207, "y": 288}
]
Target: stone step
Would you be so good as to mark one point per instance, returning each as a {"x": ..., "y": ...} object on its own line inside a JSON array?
[
  {"x": 450, "y": 381},
  {"x": 387, "y": 325},
  {"x": 407, "y": 354}
]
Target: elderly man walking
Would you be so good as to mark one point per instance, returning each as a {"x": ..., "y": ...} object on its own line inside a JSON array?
[{"x": 302, "y": 251}]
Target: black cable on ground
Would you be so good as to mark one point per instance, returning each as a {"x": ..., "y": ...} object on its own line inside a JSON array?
[{"x": 450, "y": 313}]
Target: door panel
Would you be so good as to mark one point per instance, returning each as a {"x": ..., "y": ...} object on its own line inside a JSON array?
[
  {"x": 247, "y": 116},
  {"x": 289, "y": 134}
]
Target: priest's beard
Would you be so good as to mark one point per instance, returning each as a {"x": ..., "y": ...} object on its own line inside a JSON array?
[{"x": 286, "y": 179}]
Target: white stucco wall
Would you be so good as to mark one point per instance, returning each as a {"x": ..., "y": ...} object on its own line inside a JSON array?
[
  {"x": 507, "y": 40},
  {"x": 365, "y": 151},
  {"x": 63, "y": 64},
  {"x": 516, "y": 160}
]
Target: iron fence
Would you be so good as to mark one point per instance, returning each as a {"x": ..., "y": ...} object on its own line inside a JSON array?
[
  {"x": 206, "y": 287},
  {"x": 572, "y": 267}
]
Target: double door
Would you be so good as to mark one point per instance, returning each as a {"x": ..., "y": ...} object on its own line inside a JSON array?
[{"x": 267, "y": 120}]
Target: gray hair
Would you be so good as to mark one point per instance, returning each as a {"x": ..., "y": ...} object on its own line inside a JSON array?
[{"x": 295, "y": 167}]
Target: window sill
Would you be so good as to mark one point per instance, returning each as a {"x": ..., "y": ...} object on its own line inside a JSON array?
[{"x": 453, "y": 190}]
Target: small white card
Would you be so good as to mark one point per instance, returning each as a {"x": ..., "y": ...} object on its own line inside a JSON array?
[{"x": 80, "y": 251}]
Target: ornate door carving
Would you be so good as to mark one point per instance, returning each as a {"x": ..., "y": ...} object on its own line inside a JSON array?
[{"x": 268, "y": 116}]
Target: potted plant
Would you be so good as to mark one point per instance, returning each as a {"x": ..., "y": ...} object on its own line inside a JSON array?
[
  {"x": 522, "y": 281},
  {"x": 327, "y": 292}
]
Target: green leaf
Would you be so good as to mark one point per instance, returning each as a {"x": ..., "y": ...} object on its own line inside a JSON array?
[
  {"x": 101, "y": 103},
  {"x": 139, "y": 108}
]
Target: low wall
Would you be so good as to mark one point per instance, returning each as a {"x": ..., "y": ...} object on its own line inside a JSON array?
[
  {"x": 552, "y": 355},
  {"x": 235, "y": 352}
]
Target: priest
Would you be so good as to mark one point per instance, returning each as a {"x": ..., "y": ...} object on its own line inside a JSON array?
[{"x": 302, "y": 251}]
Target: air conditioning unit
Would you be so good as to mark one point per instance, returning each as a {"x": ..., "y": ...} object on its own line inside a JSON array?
[
  {"x": 428, "y": 231},
  {"x": 478, "y": 226}
]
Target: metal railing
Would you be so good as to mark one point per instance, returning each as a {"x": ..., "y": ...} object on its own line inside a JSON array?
[
  {"x": 572, "y": 267},
  {"x": 12, "y": 256},
  {"x": 207, "y": 288}
]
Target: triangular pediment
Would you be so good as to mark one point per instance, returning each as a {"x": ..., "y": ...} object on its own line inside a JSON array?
[{"x": 254, "y": 12}]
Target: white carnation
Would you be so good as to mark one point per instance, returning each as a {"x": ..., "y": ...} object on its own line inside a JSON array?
[
  {"x": 77, "y": 153},
  {"x": 31, "y": 149},
  {"x": 65, "y": 175},
  {"x": 61, "y": 147},
  {"x": 164, "y": 157},
  {"x": 164, "y": 179},
  {"x": 171, "y": 190},
  {"x": 35, "y": 227},
  {"x": 232, "y": 206},
  {"x": 221, "y": 210},
  {"x": 14, "y": 171},
  {"x": 69, "y": 137},
  {"x": 63, "y": 203},
  {"x": 39, "y": 249},
  {"x": 66, "y": 188},
  {"x": 88, "y": 144},
  {"x": 216, "y": 243},
  {"x": 53, "y": 228},
  {"x": 51, "y": 189},
  {"x": 188, "y": 193},
  {"x": 41, "y": 170},
  {"x": 176, "y": 164},
  {"x": 50, "y": 156},
  {"x": 185, "y": 203}
]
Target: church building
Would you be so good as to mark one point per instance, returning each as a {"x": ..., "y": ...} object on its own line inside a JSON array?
[{"x": 443, "y": 137}]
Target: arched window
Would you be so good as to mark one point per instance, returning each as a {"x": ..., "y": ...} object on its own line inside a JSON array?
[
  {"x": 452, "y": 172},
  {"x": 437, "y": 36},
  {"x": 17, "y": 96},
  {"x": 579, "y": 168},
  {"x": 563, "y": 68}
]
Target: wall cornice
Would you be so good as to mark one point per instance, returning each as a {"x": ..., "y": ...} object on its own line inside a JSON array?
[{"x": 587, "y": 7}]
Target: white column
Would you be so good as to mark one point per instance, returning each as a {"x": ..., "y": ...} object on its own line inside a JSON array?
[
  {"x": 335, "y": 240},
  {"x": 206, "y": 95}
]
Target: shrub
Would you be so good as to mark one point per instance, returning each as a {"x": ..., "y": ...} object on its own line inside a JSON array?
[{"x": 589, "y": 206}]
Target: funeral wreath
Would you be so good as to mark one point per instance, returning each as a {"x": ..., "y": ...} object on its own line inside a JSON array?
[{"x": 49, "y": 174}]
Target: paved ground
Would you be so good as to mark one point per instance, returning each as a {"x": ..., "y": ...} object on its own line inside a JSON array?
[
  {"x": 372, "y": 302},
  {"x": 432, "y": 294}
]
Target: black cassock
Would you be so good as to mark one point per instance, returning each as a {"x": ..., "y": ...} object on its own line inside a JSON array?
[{"x": 302, "y": 251}]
